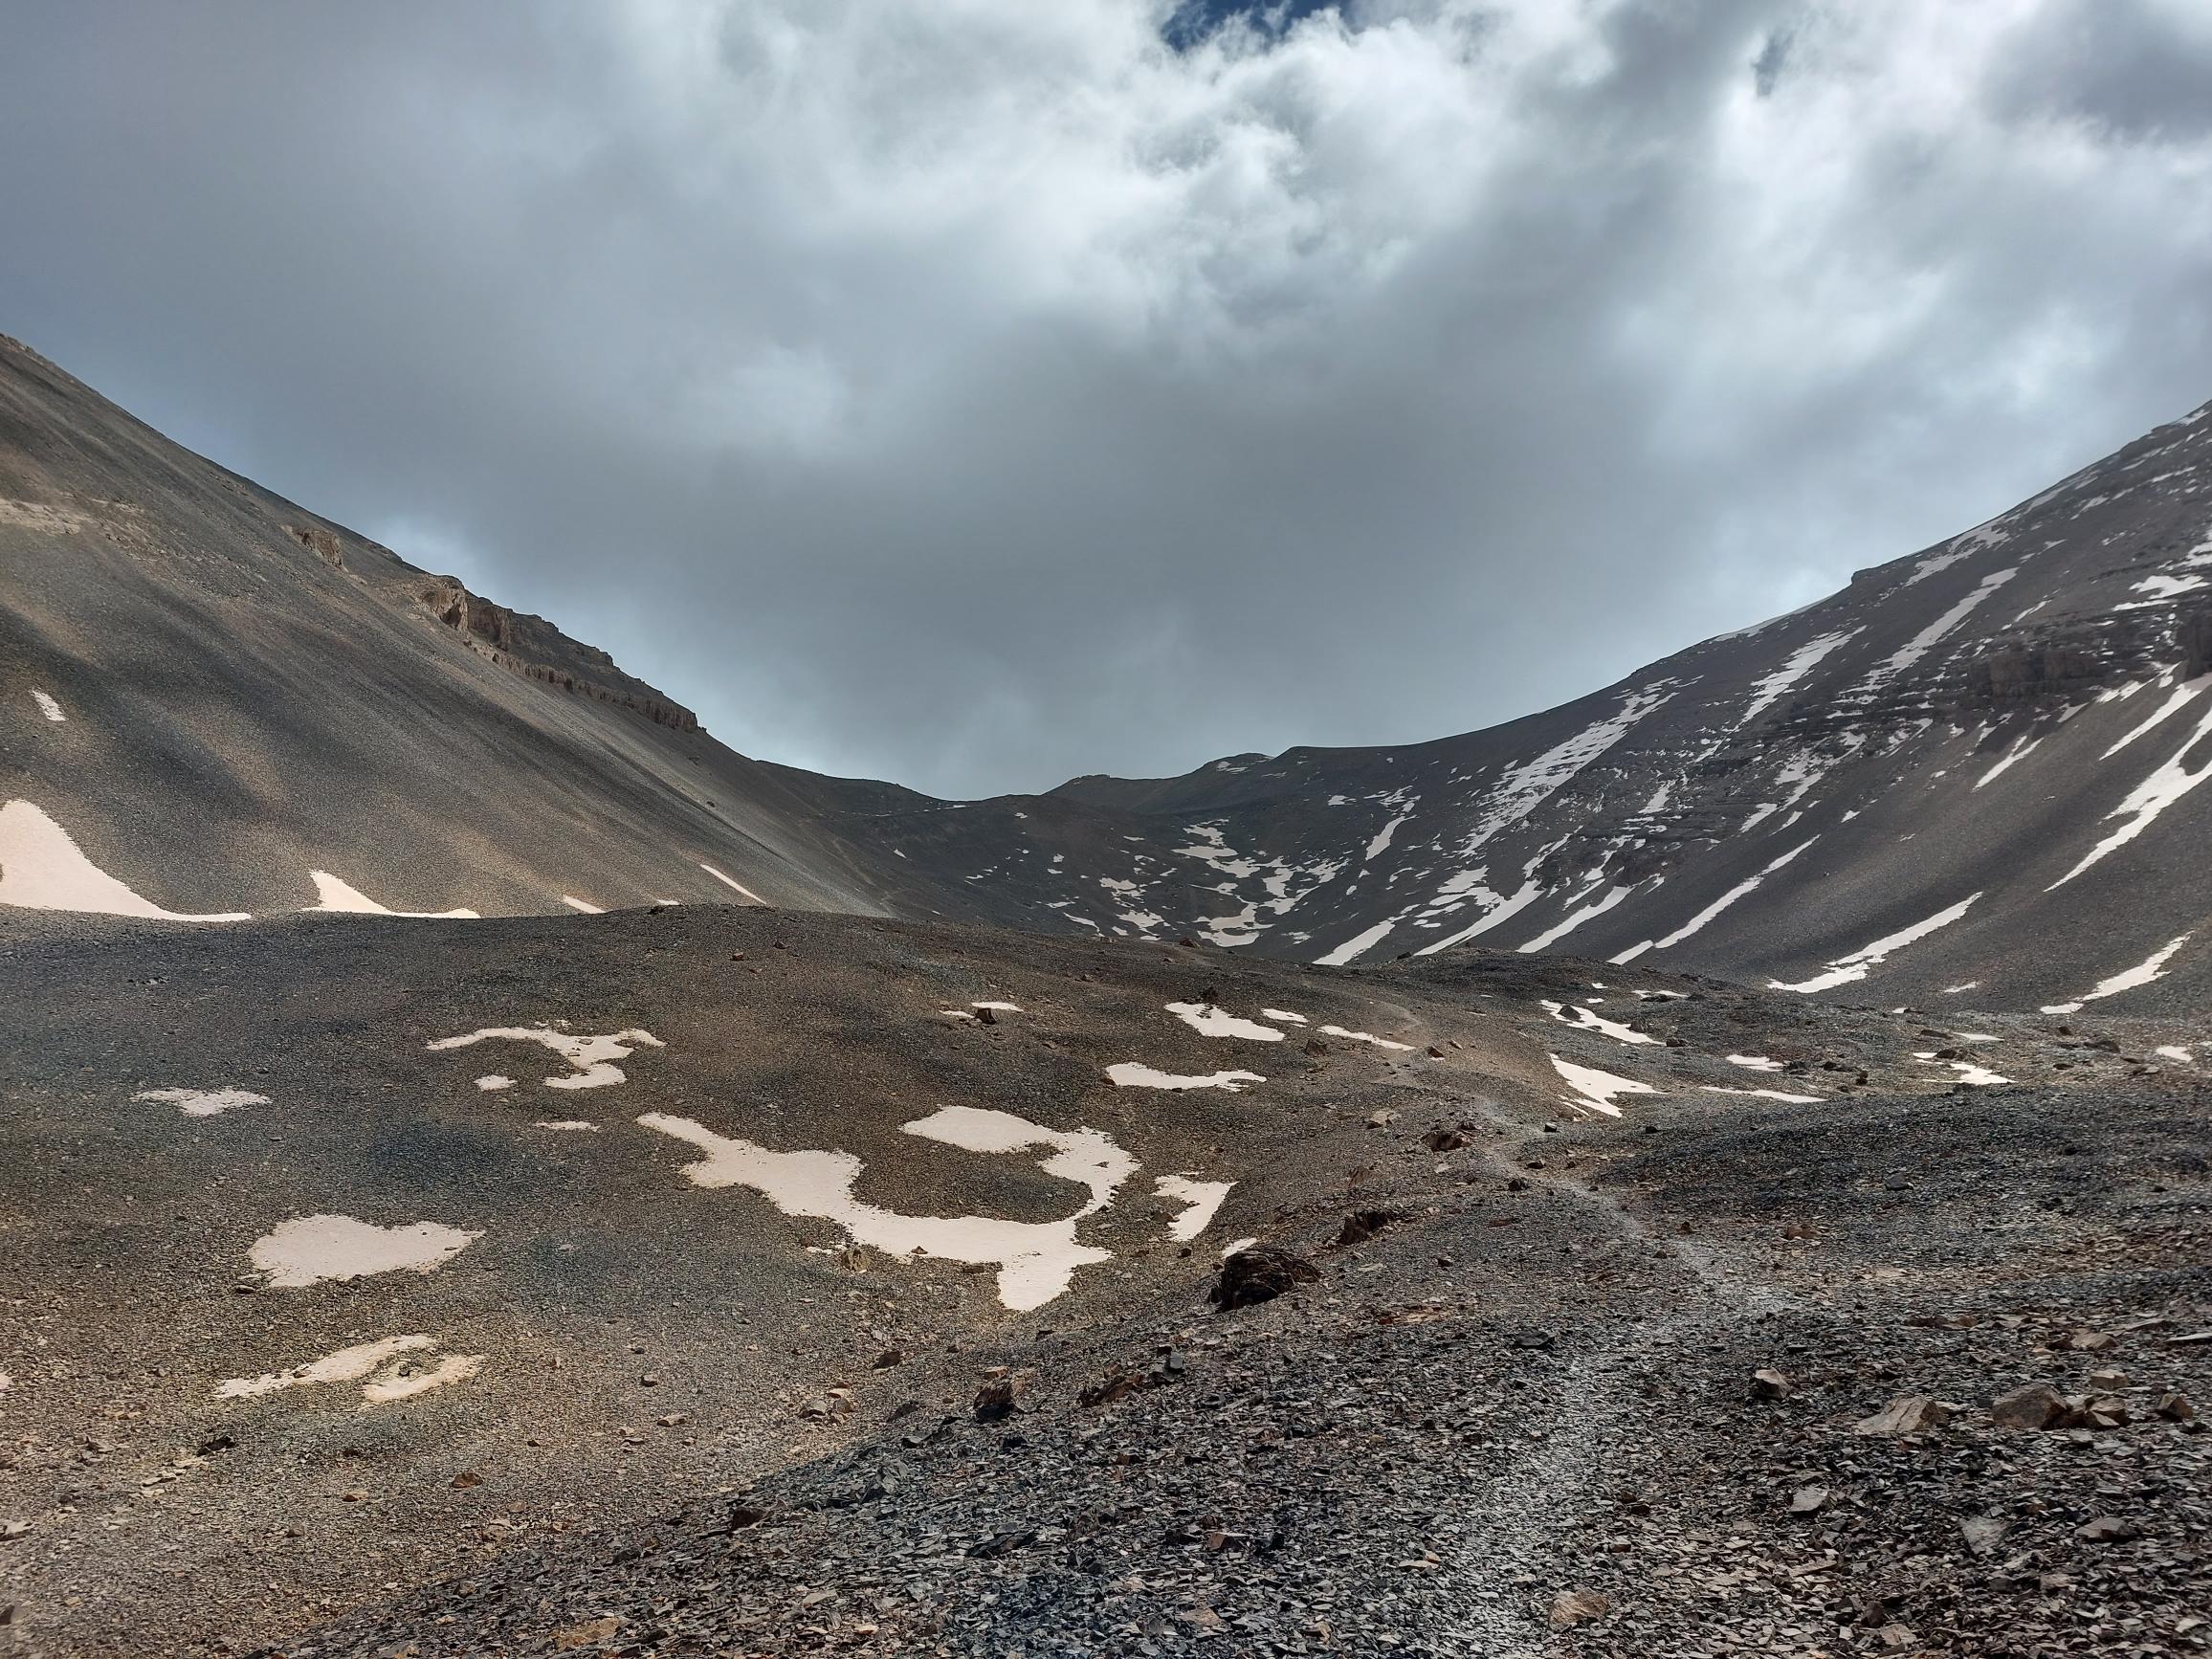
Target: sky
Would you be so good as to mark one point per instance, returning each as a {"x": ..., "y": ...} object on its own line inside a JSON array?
[{"x": 980, "y": 392}]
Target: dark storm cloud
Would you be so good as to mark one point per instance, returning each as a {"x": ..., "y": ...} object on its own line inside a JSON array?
[{"x": 979, "y": 395}]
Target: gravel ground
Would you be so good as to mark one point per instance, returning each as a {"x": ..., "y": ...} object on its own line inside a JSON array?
[{"x": 1567, "y": 1383}]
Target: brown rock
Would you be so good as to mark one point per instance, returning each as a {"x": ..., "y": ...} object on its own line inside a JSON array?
[
  {"x": 2175, "y": 1408},
  {"x": 2036, "y": 1405},
  {"x": 994, "y": 1400},
  {"x": 1443, "y": 1140},
  {"x": 1573, "y": 1607},
  {"x": 2107, "y": 1529},
  {"x": 1769, "y": 1386},
  {"x": 1115, "y": 1385},
  {"x": 1907, "y": 1414},
  {"x": 1808, "y": 1500},
  {"x": 1982, "y": 1533},
  {"x": 1260, "y": 1274},
  {"x": 589, "y": 1634},
  {"x": 1361, "y": 1226}
]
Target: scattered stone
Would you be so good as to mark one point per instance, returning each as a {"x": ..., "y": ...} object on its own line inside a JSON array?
[
  {"x": 1982, "y": 1533},
  {"x": 2107, "y": 1529},
  {"x": 995, "y": 1400},
  {"x": 1767, "y": 1384},
  {"x": 2035, "y": 1405},
  {"x": 587, "y": 1634},
  {"x": 1808, "y": 1500},
  {"x": 1908, "y": 1414},
  {"x": 1443, "y": 1140},
  {"x": 1115, "y": 1385},
  {"x": 2175, "y": 1408},
  {"x": 1260, "y": 1274},
  {"x": 1361, "y": 1226},
  {"x": 1573, "y": 1607}
]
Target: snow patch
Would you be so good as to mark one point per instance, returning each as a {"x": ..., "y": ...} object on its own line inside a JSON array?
[
  {"x": 336, "y": 897},
  {"x": 732, "y": 881},
  {"x": 1594, "y": 1089},
  {"x": 1037, "y": 1260},
  {"x": 1209, "y": 1021},
  {"x": 1131, "y": 1074},
  {"x": 310, "y": 1248},
  {"x": 1847, "y": 969},
  {"x": 1365, "y": 1037},
  {"x": 202, "y": 1103},
  {"x": 1589, "y": 1020},
  {"x": 1201, "y": 1201},
  {"x": 2151, "y": 967},
  {"x": 41, "y": 867},
  {"x": 593, "y": 1056}
]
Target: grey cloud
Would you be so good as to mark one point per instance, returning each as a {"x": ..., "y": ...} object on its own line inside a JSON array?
[{"x": 979, "y": 402}]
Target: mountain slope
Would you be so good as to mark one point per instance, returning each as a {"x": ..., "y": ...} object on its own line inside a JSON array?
[
  {"x": 229, "y": 704},
  {"x": 1972, "y": 772},
  {"x": 1973, "y": 767}
]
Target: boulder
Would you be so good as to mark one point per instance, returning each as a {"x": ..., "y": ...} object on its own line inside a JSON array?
[
  {"x": 1260, "y": 1274},
  {"x": 2035, "y": 1405},
  {"x": 1907, "y": 1414},
  {"x": 1573, "y": 1607}
]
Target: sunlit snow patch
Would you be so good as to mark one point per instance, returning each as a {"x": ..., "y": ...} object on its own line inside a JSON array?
[
  {"x": 493, "y": 1082},
  {"x": 1283, "y": 1014},
  {"x": 1589, "y": 1020},
  {"x": 733, "y": 882},
  {"x": 1847, "y": 969},
  {"x": 1595, "y": 1088},
  {"x": 1763, "y": 1093},
  {"x": 1209, "y": 1021},
  {"x": 1200, "y": 1199},
  {"x": 1980, "y": 1076},
  {"x": 2152, "y": 967},
  {"x": 1131, "y": 1074},
  {"x": 336, "y": 897},
  {"x": 202, "y": 1103},
  {"x": 1036, "y": 1259},
  {"x": 309, "y": 1249},
  {"x": 48, "y": 707},
  {"x": 1351, "y": 1036},
  {"x": 582, "y": 905},
  {"x": 41, "y": 867},
  {"x": 593, "y": 1056},
  {"x": 384, "y": 1369},
  {"x": 1755, "y": 1062},
  {"x": 345, "y": 1365}
]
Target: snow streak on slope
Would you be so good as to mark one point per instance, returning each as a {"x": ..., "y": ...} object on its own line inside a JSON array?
[
  {"x": 1520, "y": 790},
  {"x": 1697, "y": 921},
  {"x": 1801, "y": 662},
  {"x": 1524, "y": 788},
  {"x": 2154, "y": 967},
  {"x": 1926, "y": 640},
  {"x": 1847, "y": 969},
  {"x": 2147, "y": 799},
  {"x": 42, "y": 867}
]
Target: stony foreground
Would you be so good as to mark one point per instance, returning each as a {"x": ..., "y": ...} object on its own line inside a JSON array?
[{"x": 1719, "y": 1375}]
